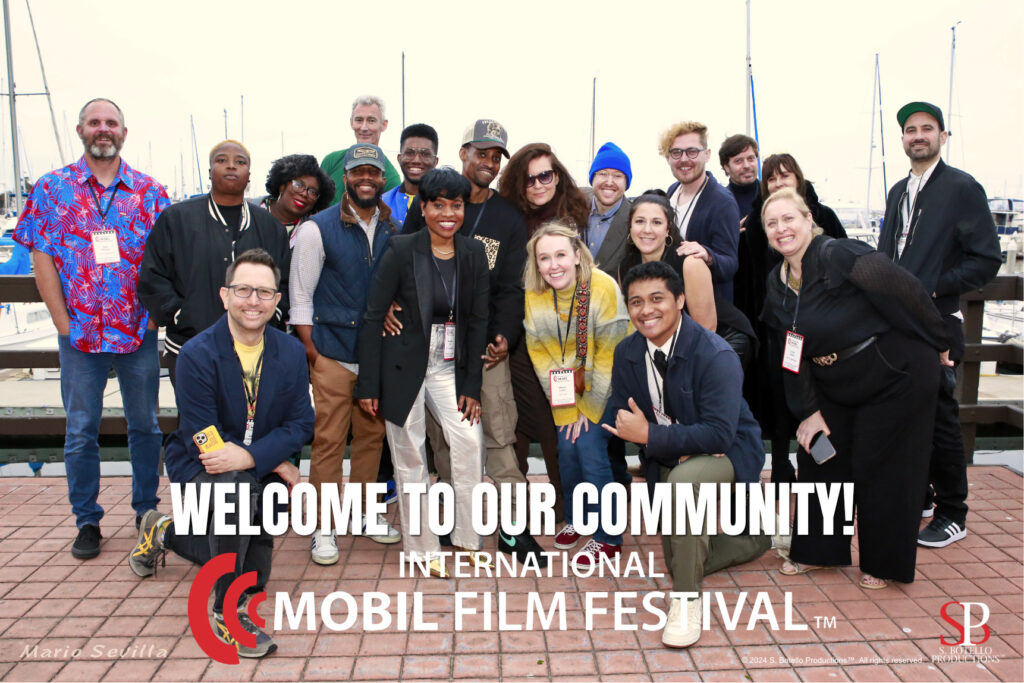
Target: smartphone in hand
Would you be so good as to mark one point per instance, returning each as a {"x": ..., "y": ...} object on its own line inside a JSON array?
[{"x": 822, "y": 449}]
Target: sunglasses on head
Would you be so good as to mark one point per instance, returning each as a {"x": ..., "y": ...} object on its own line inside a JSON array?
[{"x": 544, "y": 178}]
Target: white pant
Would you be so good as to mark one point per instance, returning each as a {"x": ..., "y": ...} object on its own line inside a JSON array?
[{"x": 408, "y": 452}]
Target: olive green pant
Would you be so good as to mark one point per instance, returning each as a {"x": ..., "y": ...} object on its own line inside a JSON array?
[{"x": 691, "y": 557}]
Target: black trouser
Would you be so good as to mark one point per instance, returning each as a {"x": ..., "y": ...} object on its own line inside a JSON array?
[
  {"x": 253, "y": 553},
  {"x": 879, "y": 407},
  {"x": 947, "y": 469}
]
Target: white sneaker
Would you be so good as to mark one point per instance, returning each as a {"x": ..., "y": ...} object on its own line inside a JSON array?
[
  {"x": 325, "y": 548},
  {"x": 390, "y": 536},
  {"x": 676, "y": 634}
]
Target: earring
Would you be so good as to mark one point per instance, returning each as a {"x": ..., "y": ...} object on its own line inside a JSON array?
[{"x": 668, "y": 240}]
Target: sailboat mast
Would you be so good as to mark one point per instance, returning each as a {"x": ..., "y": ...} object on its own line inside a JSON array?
[
  {"x": 403, "y": 89},
  {"x": 593, "y": 117},
  {"x": 14, "y": 112},
  {"x": 750, "y": 73},
  {"x": 46, "y": 87},
  {"x": 871, "y": 147},
  {"x": 952, "y": 61}
]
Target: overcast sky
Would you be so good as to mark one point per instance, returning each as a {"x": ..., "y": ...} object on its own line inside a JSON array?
[{"x": 530, "y": 66}]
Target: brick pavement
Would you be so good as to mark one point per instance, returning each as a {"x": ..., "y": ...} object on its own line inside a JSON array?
[{"x": 132, "y": 629}]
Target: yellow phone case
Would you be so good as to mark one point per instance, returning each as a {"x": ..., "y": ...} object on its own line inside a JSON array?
[{"x": 208, "y": 440}]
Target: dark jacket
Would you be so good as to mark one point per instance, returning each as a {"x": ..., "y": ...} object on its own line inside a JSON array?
[
  {"x": 210, "y": 392},
  {"x": 392, "y": 368},
  {"x": 500, "y": 228},
  {"x": 339, "y": 301},
  {"x": 757, "y": 258},
  {"x": 187, "y": 256},
  {"x": 613, "y": 248},
  {"x": 703, "y": 395},
  {"x": 953, "y": 246},
  {"x": 715, "y": 224}
]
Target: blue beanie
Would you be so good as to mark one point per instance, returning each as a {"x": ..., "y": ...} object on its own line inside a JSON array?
[{"x": 610, "y": 156}]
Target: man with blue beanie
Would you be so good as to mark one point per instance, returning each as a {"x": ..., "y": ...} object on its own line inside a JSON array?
[{"x": 607, "y": 230}]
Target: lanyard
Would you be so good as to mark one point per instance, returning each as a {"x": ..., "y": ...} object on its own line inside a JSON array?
[
  {"x": 796, "y": 310},
  {"x": 478, "y": 217},
  {"x": 251, "y": 384},
  {"x": 908, "y": 220},
  {"x": 658, "y": 379},
  {"x": 689, "y": 207},
  {"x": 572, "y": 304},
  {"x": 450, "y": 296},
  {"x": 96, "y": 198}
]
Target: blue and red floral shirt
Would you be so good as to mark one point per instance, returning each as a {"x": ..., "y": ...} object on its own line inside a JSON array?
[{"x": 64, "y": 210}]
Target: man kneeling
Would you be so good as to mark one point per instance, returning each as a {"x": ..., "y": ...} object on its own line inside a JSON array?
[
  {"x": 677, "y": 392},
  {"x": 250, "y": 383}
]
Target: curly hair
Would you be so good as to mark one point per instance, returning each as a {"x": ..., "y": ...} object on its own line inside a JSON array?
[
  {"x": 569, "y": 202},
  {"x": 295, "y": 166},
  {"x": 681, "y": 128}
]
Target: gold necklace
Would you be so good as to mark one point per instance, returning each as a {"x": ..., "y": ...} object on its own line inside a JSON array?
[{"x": 793, "y": 282}]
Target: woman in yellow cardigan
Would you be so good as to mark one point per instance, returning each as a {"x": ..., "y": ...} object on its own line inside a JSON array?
[{"x": 575, "y": 316}]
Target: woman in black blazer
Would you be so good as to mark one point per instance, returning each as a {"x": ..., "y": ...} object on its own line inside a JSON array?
[{"x": 439, "y": 281}]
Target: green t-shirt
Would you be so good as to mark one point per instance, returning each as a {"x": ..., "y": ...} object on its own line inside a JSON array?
[{"x": 334, "y": 166}]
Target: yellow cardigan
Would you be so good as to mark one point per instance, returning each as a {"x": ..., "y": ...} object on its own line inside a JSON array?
[{"x": 607, "y": 326}]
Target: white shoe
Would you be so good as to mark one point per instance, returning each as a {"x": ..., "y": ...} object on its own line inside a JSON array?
[
  {"x": 325, "y": 548},
  {"x": 390, "y": 536},
  {"x": 677, "y": 634}
]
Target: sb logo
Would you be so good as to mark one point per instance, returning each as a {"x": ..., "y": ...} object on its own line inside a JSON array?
[
  {"x": 219, "y": 648},
  {"x": 965, "y": 629}
]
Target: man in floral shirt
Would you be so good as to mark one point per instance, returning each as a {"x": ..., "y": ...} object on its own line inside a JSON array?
[{"x": 87, "y": 225}]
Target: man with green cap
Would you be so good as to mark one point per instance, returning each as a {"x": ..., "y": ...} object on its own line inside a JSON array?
[{"x": 938, "y": 226}]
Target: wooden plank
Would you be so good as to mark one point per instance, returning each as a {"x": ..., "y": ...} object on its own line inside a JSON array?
[
  {"x": 18, "y": 289},
  {"x": 44, "y": 425},
  {"x": 992, "y": 414},
  {"x": 1002, "y": 288},
  {"x": 1004, "y": 353}
]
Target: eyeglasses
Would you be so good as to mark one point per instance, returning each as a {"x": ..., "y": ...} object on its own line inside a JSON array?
[
  {"x": 302, "y": 188},
  {"x": 544, "y": 178},
  {"x": 690, "y": 152},
  {"x": 245, "y": 291},
  {"x": 426, "y": 154}
]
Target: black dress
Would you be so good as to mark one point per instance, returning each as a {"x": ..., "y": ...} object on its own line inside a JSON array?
[{"x": 879, "y": 403}]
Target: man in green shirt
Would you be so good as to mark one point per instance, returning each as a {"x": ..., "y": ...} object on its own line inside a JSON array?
[{"x": 368, "y": 122}]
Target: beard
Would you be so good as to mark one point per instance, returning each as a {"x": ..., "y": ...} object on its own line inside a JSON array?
[
  {"x": 98, "y": 152},
  {"x": 368, "y": 203}
]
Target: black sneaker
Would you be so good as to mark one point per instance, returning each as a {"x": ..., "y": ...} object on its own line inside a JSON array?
[
  {"x": 150, "y": 548},
  {"x": 521, "y": 546},
  {"x": 264, "y": 643},
  {"x": 88, "y": 542},
  {"x": 940, "y": 533}
]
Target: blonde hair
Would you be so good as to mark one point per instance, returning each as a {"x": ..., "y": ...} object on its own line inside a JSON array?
[
  {"x": 532, "y": 279},
  {"x": 798, "y": 201},
  {"x": 682, "y": 128}
]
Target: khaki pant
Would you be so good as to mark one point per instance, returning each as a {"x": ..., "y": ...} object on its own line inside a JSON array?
[
  {"x": 691, "y": 557},
  {"x": 498, "y": 415},
  {"x": 336, "y": 411}
]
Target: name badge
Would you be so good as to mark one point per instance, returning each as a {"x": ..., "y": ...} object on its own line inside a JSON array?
[
  {"x": 104, "y": 247},
  {"x": 661, "y": 417},
  {"x": 563, "y": 388},
  {"x": 248, "y": 432},
  {"x": 449, "y": 341},
  {"x": 793, "y": 352}
]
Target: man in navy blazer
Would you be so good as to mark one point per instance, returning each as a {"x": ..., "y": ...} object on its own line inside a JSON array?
[
  {"x": 707, "y": 215},
  {"x": 677, "y": 391},
  {"x": 251, "y": 383}
]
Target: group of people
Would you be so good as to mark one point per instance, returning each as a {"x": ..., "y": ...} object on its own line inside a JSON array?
[{"x": 430, "y": 311}]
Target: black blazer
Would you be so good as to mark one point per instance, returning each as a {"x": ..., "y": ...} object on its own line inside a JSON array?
[
  {"x": 392, "y": 368},
  {"x": 613, "y": 248}
]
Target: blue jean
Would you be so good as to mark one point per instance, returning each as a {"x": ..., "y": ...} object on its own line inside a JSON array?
[
  {"x": 83, "y": 377},
  {"x": 585, "y": 461}
]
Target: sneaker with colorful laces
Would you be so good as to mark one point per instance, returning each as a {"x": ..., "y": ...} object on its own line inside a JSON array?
[
  {"x": 150, "y": 547},
  {"x": 567, "y": 538},
  {"x": 593, "y": 550},
  {"x": 263, "y": 646}
]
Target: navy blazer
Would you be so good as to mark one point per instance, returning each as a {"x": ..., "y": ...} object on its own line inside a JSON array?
[
  {"x": 704, "y": 393},
  {"x": 715, "y": 224},
  {"x": 210, "y": 392}
]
